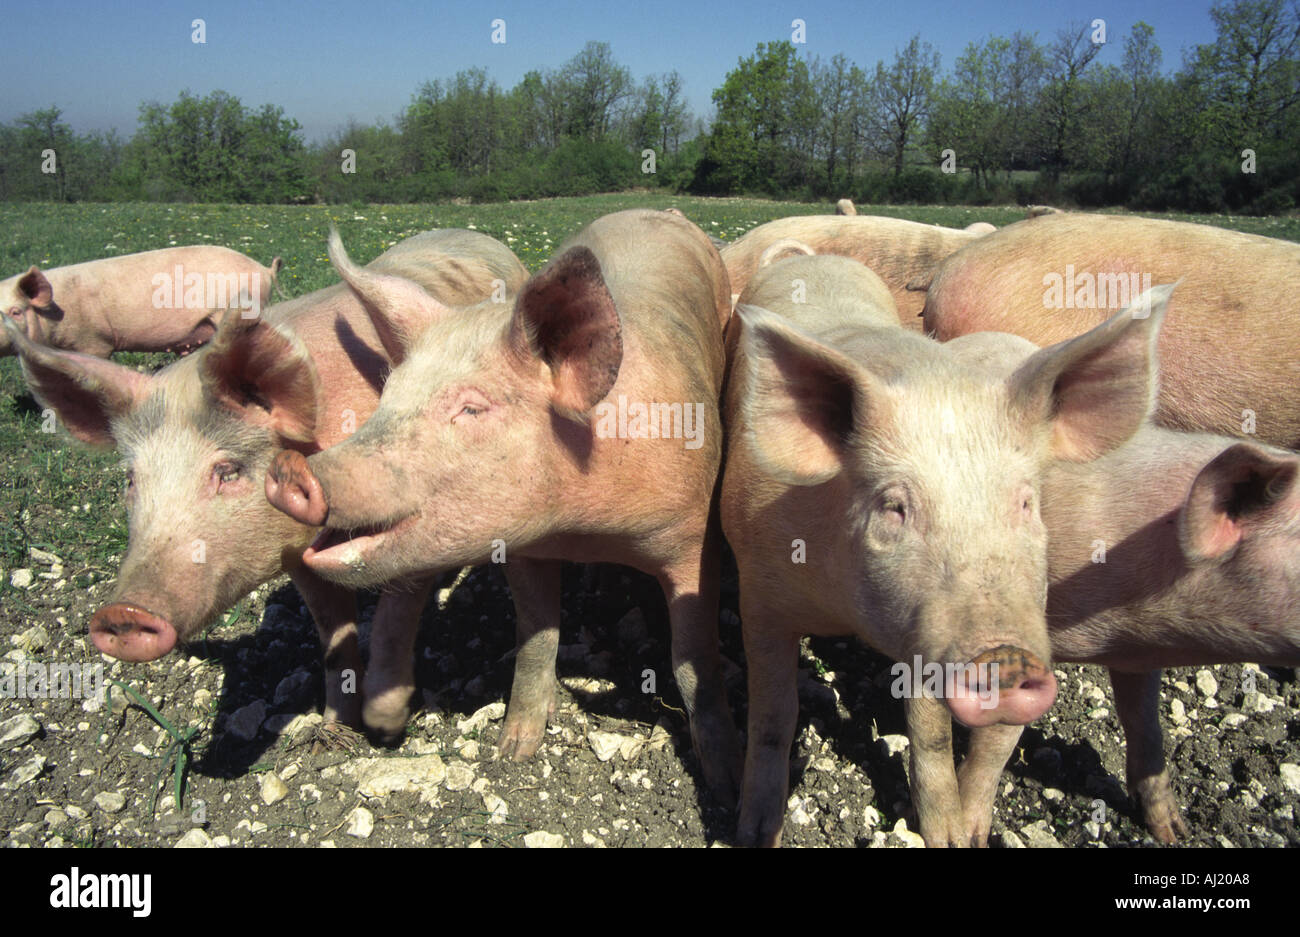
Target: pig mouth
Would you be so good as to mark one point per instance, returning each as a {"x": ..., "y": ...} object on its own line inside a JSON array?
[{"x": 352, "y": 550}]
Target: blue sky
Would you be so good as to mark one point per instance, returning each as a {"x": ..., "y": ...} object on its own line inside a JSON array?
[{"x": 330, "y": 61}]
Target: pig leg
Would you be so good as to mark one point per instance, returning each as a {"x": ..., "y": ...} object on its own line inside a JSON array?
[
  {"x": 691, "y": 589},
  {"x": 772, "y": 657},
  {"x": 535, "y": 588},
  {"x": 334, "y": 609},
  {"x": 390, "y": 677},
  {"x": 934, "y": 780},
  {"x": 1137, "y": 699},
  {"x": 978, "y": 777}
]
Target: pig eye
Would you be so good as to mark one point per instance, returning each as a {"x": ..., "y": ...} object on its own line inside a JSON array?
[
  {"x": 226, "y": 472},
  {"x": 468, "y": 403},
  {"x": 16, "y": 312}
]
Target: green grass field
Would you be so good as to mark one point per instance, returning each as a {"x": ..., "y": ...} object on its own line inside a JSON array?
[{"x": 63, "y": 497}]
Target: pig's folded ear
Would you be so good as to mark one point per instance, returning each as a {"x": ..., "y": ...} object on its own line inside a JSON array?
[
  {"x": 263, "y": 374},
  {"x": 86, "y": 393},
  {"x": 36, "y": 288},
  {"x": 1241, "y": 488},
  {"x": 565, "y": 317},
  {"x": 802, "y": 400},
  {"x": 1096, "y": 390},
  {"x": 399, "y": 308}
]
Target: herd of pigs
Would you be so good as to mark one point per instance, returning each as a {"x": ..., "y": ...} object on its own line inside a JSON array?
[{"x": 900, "y": 440}]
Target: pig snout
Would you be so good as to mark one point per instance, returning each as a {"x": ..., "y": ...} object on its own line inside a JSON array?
[
  {"x": 1006, "y": 685},
  {"x": 129, "y": 632},
  {"x": 291, "y": 487}
]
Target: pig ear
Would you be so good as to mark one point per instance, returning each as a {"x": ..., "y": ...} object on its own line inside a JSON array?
[
  {"x": 263, "y": 374},
  {"x": 399, "y": 308},
  {"x": 87, "y": 393},
  {"x": 36, "y": 288},
  {"x": 1239, "y": 489},
  {"x": 1096, "y": 390},
  {"x": 565, "y": 316},
  {"x": 780, "y": 250},
  {"x": 802, "y": 401}
]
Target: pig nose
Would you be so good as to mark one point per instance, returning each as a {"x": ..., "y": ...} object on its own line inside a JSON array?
[
  {"x": 1007, "y": 685},
  {"x": 129, "y": 632},
  {"x": 291, "y": 487}
]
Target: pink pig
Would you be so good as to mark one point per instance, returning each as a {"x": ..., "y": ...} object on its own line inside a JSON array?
[{"x": 164, "y": 300}]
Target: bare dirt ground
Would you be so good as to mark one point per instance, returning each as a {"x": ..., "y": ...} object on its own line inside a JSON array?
[{"x": 617, "y": 769}]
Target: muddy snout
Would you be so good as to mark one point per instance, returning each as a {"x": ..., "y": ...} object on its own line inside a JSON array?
[
  {"x": 291, "y": 487},
  {"x": 129, "y": 632},
  {"x": 1007, "y": 685}
]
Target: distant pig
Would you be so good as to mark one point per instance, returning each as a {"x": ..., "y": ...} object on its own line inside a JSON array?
[
  {"x": 845, "y": 207},
  {"x": 1199, "y": 563},
  {"x": 1228, "y": 356},
  {"x": 165, "y": 300},
  {"x": 581, "y": 424},
  {"x": 197, "y": 437},
  {"x": 897, "y": 251},
  {"x": 876, "y": 484}
]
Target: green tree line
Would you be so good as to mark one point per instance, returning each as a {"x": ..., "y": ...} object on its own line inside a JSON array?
[{"x": 1084, "y": 118}]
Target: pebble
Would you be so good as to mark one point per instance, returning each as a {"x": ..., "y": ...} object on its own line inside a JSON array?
[
  {"x": 20, "y": 578},
  {"x": 459, "y": 777},
  {"x": 1053, "y": 793},
  {"x": 273, "y": 790},
  {"x": 1206, "y": 683},
  {"x": 18, "y": 730},
  {"x": 110, "y": 801},
  {"x": 894, "y": 744},
  {"x": 195, "y": 839},
  {"x": 361, "y": 823},
  {"x": 25, "y": 772},
  {"x": 540, "y": 839},
  {"x": 1177, "y": 712},
  {"x": 870, "y": 817},
  {"x": 1038, "y": 835},
  {"x": 604, "y": 744},
  {"x": 900, "y": 837},
  {"x": 481, "y": 717},
  {"x": 1291, "y": 777},
  {"x": 245, "y": 721},
  {"x": 379, "y": 776}
]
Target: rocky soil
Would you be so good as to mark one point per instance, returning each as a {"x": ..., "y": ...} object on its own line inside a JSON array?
[{"x": 617, "y": 769}]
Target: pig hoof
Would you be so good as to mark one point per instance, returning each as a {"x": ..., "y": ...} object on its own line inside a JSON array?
[
  {"x": 760, "y": 836},
  {"x": 718, "y": 749},
  {"x": 335, "y": 737},
  {"x": 386, "y": 724},
  {"x": 522, "y": 733},
  {"x": 1165, "y": 823}
]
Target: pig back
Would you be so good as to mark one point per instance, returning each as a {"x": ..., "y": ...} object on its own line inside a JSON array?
[
  {"x": 1225, "y": 349},
  {"x": 898, "y": 251}
]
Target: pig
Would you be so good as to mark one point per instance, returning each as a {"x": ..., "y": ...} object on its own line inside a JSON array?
[
  {"x": 845, "y": 207},
  {"x": 164, "y": 300},
  {"x": 197, "y": 437},
  {"x": 898, "y": 251},
  {"x": 516, "y": 427},
  {"x": 876, "y": 484},
  {"x": 1202, "y": 566},
  {"x": 979, "y": 227},
  {"x": 1228, "y": 362}
]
